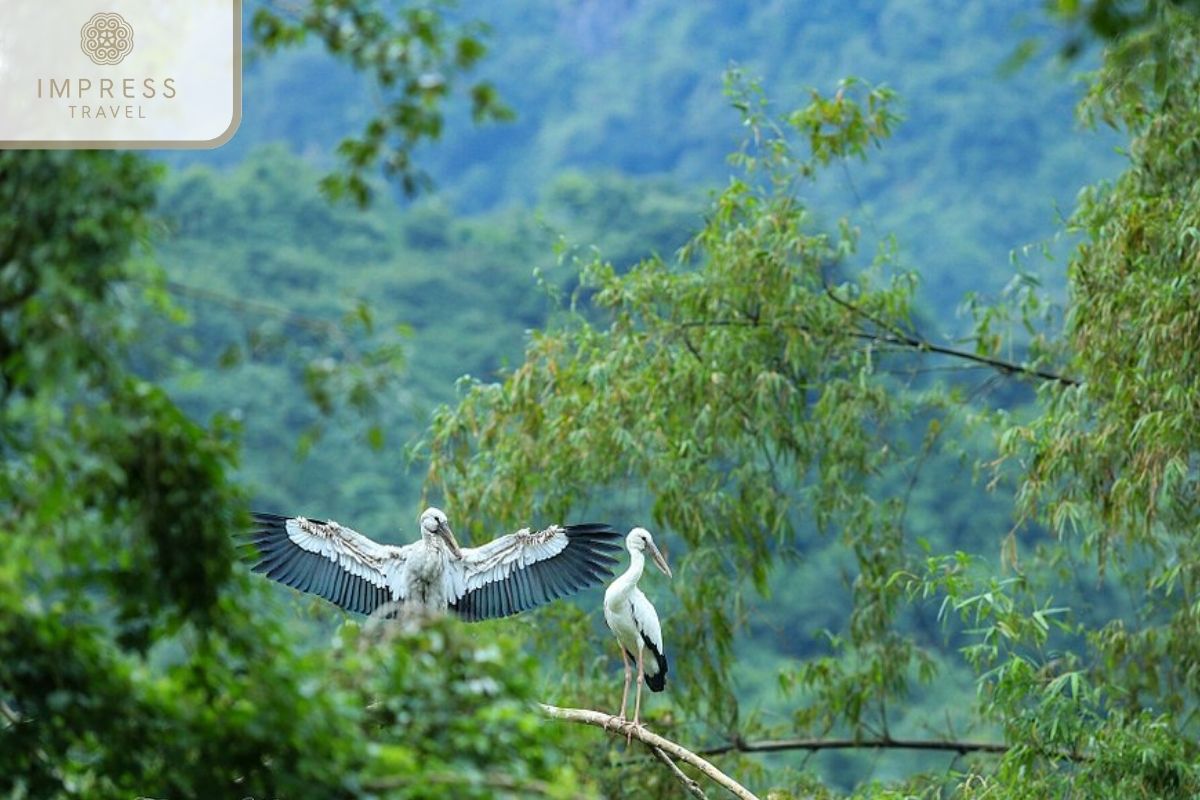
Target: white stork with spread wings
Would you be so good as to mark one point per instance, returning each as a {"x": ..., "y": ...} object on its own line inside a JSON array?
[
  {"x": 507, "y": 575},
  {"x": 634, "y": 622}
]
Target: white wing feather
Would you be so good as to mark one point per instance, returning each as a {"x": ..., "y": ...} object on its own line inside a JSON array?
[
  {"x": 646, "y": 619},
  {"x": 496, "y": 560},
  {"x": 523, "y": 570},
  {"x": 310, "y": 554}
]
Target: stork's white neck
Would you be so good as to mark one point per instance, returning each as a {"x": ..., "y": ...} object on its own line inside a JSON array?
[{"x": 622, "y": 586}]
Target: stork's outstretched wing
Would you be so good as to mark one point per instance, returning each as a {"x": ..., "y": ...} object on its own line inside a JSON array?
[
  {"x": 328, "y": 560},
  {"x": 523, "y": 570}
]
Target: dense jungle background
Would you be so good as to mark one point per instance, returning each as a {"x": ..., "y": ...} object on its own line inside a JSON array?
[{"x": 883, "y": 317}]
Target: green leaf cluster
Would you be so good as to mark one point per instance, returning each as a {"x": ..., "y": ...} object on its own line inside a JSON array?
[
  {"x": 414, "y": 57},
  {"x": 135, "y": 660}
]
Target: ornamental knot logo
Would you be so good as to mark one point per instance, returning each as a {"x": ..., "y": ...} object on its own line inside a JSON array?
[{"x": 106, "y": 38}]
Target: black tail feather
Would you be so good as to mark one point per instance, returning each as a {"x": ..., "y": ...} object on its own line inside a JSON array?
[{"x": 658, "y": 681}]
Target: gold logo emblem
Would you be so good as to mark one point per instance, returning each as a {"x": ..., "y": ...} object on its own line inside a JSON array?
[{"x": 106, "y": 38}]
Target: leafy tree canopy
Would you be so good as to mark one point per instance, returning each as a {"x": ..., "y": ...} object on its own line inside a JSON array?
[
  {"x": 769, "y": 398},
  {"x": 763, "y": 384}
]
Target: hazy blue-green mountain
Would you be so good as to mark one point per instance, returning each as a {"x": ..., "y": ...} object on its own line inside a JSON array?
[
  {"x": 981, "y": 166},
  {"x": 622, "y": 127}
]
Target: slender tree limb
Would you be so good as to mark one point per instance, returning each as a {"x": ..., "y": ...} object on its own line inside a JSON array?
[
  {"x": 909, "y": 343},
  {"x": 622, "y": 727},
  {"x": 899, "y": 336},
  {"x": 777, "y": 745},
  {"x": 689, "y": 784},
  {"x": 961, "y": 747}
]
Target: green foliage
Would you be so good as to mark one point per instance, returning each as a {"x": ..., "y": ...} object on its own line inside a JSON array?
[
  {"x": 762, "y": 390},
  {"x": 270, "y": 285},
  {"x": 134, "y": 661},
  {"x": 1118, "y": 446},
  {"x": 1110, "y": 466},
  {"x": 721, "y": 382},
  {"x": 414, "y": 58},
  {"x": 55, "y": 324},
  {"x": 635, "y": 89},
  {"x": 747, "y": 391},
  {"x": 456, "y": 718},
  {"x": 1111, "y": 21}
]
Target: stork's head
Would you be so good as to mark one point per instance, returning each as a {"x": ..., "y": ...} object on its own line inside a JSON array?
[
  {"x": 640, "y": 541},
  {"x": 435, "y": 525}
]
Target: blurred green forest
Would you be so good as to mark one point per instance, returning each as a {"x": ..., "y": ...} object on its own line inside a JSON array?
[
  {"x": 251, "y": 246},
  {"x": 339, "y": 362},
  {"x": 988, "y": 155},
  {"x": 622, "y": 132},
  {"x": 635, "y": 89}
]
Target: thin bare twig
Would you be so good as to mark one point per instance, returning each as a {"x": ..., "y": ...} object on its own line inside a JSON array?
[
  {"x": 899, "y": 336},
  {"x": 689, "y": 784}
]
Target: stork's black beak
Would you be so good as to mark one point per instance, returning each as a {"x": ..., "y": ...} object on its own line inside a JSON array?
[
  {"x": 448, "y": 537},
  {"x": 660, "y": 560}
]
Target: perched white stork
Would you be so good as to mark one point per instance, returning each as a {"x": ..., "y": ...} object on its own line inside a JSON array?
[
  {"x": 507, "y": 575},
  {"x": 634, "y": 621}
]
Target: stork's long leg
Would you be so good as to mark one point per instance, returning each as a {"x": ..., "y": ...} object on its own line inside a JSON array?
[
  {"x": 641, "y": 678},
  {"x": 625, "y": 691},
  {"x": 628, "y": 678}
]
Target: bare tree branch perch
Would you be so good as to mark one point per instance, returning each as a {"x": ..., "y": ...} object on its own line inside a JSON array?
[{"x": 611, "y": 723}]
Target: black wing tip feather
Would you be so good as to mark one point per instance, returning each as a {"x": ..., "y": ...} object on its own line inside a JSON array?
[
  {"x": 600, "y": 530},
  {"x": 658, "y": 681},
  {"x": 275, "y": 556},
  {"x": 591, "y": 527},
  {"x": 278, "y": 520},
  {"x": 586, "y": 562}
]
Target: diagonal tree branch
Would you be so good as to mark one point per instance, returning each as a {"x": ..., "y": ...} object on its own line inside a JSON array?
[
  {"x": 960, "y": 746},
  {"x": 895, "y": 335},
  {"x": 889, "y": 743},
  {"x": 692, "y": 787},
  {"x": 908, "y": 342},
  {"x": 653, "y": 740}
]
